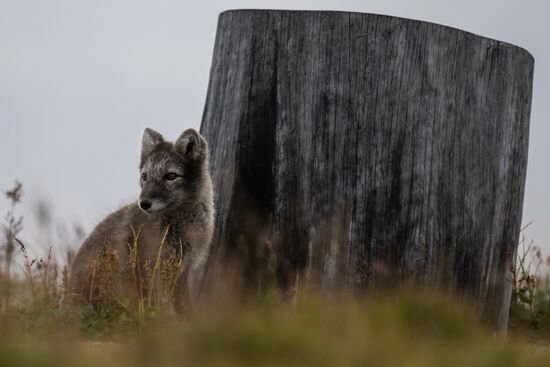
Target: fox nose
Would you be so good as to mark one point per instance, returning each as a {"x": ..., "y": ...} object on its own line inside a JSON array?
[{"x": 145, "y": 204}]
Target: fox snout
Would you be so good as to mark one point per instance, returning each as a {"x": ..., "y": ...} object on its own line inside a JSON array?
[
  {"x": 151, "y": 199},
  {"x": 150, "y": 204},
  {"x": 145, "y": 204}
]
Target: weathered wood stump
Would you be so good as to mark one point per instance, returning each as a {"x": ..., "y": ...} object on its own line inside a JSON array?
[{"x": 367, "y": 151}]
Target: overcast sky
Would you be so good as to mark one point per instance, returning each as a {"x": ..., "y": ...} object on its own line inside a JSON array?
[{"x": 79, "y": 80}]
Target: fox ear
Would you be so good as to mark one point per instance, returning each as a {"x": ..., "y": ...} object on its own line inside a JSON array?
[
  {"x": 149, "y": 139},
  {"x": 191, "y": 145}
]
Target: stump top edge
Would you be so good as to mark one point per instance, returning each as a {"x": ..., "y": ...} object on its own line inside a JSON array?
[{"x": 342, "y": 12}]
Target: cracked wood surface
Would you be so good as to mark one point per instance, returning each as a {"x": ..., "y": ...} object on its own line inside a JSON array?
[{"x": 368, "y": 151}]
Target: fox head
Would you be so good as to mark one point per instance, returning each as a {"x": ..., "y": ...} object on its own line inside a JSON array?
[{"x": 170, "y": 173}]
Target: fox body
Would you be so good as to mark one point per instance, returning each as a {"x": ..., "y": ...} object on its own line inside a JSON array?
[{"x": 174, "y": 215}]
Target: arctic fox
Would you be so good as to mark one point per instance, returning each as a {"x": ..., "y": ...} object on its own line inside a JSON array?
[{"x": 174, "y": 215}]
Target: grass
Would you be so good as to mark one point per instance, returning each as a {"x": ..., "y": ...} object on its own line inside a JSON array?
[
  {"x": 42, "y": 325},
  {"x": 530, "y": 304},
  {"x": 390, "y": 331}
]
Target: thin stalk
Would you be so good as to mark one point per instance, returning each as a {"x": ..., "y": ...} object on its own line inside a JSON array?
[{"x": 157, "y": 266}]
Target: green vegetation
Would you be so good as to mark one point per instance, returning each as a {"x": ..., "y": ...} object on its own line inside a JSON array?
[
  {"x": 42, "y": 325},
  {"x": 530, "y": 305}
]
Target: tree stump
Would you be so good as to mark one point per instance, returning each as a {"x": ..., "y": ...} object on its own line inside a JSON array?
[{"x": 367, "y": 151}]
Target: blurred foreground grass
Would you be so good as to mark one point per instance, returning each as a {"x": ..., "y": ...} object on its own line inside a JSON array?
[
  {"x": 406, "y": 330},
  {"x": 40, "y": 326}
]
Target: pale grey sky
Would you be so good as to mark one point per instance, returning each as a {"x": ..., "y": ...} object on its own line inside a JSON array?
[{"x": 79, "y": 80}]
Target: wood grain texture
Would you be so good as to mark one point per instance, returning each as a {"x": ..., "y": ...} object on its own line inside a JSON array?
[{"x": 368, "y": 151}]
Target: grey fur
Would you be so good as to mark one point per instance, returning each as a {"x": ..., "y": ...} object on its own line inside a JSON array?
[{"x": 184, "y": 205}]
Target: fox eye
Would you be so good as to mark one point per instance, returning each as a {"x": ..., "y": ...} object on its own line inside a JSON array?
[
  {"x": 144, "y": 176},
  {"x": 170, "y": 176}
]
